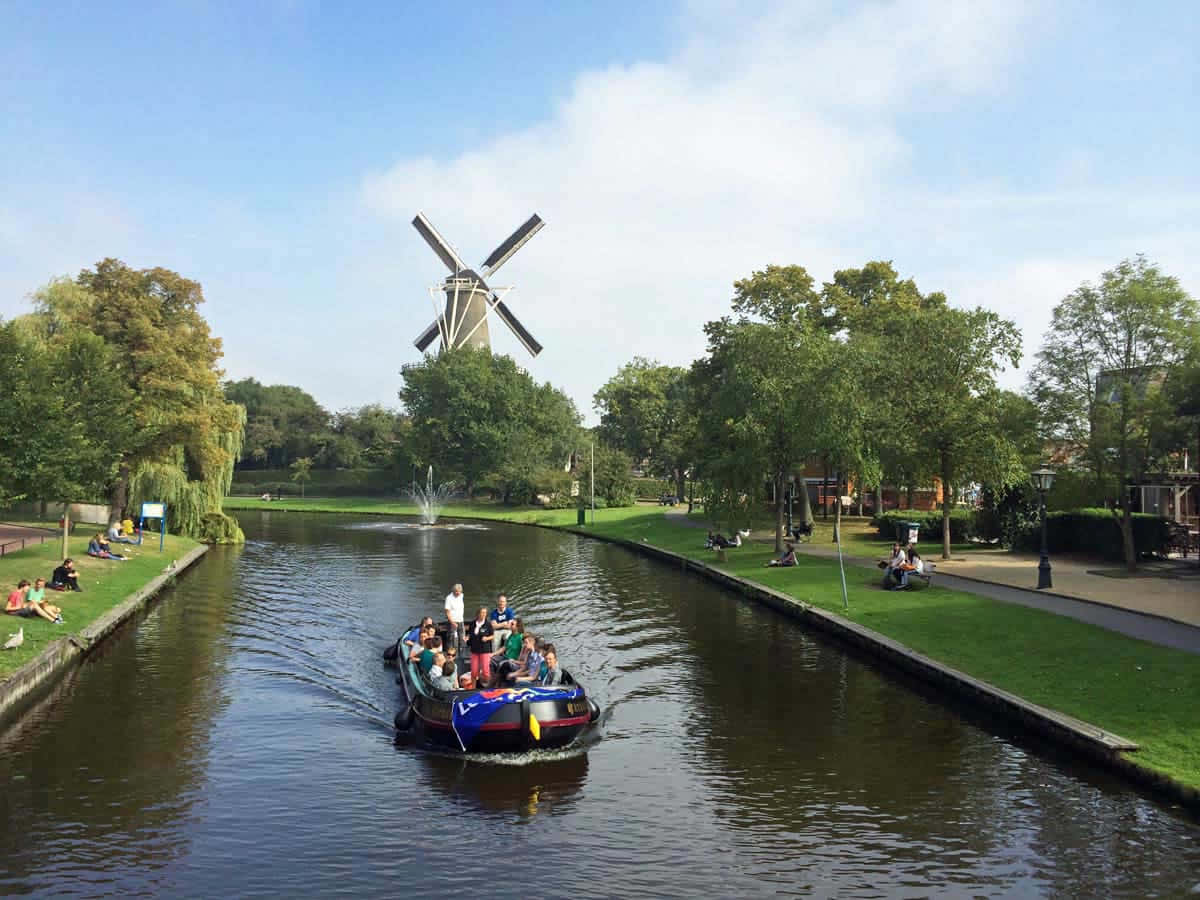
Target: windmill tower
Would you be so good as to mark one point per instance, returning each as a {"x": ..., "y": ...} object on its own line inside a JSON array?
[{"x": 468, "y": 299}]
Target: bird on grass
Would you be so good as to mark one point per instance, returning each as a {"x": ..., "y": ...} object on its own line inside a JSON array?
[{"x": 15, "y": 640}]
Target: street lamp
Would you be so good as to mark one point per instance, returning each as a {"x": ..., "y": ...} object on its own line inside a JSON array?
[{"x": 1043, "y": 478}]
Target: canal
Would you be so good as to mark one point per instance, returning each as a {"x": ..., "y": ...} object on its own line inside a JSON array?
[{"x": 238, "y": 740}]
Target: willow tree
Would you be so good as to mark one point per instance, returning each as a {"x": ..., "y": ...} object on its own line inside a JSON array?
[{"x": 182, "y": 437}]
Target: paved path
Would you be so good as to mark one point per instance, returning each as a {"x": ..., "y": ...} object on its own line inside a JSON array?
[
  {"x": 12, "y": 536},
  {"x": 1125, "y": 618},
  {"x": 1161, "y": 610}
]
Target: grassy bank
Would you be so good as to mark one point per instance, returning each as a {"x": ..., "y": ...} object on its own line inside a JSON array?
[
  {"x": 105, "y": 583},
  {"x": 1141, "y": 691}
]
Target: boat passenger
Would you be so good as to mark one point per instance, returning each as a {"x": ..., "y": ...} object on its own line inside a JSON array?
[
  {"x": 533, "y": 662},
  {"x": 501, "y": 616},
  {"x": 452, "y": 656},
  {"x": 508, "y": 669},
  {"x": 479, "y": 637},
  {"x": 552, "y": 672},
  {"x": 454, "y": 614},
  {"x": 426, "y": 622},
  {"x": 512, "y": 647},
  {"x": 421, "y": 644},
  {"x": 443, "y": 678},
  {"x": 430, "y": 654}
]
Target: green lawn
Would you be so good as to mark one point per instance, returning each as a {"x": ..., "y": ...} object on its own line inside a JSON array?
[
  {"x": 105, "y": 583},
  {"x": 1141, "y": 691}
]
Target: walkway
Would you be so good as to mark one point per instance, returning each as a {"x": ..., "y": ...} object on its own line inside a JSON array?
[{"x": 1131, "y": 606}]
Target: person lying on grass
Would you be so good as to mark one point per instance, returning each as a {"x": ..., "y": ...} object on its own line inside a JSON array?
[{"x": 787, "y": 558}]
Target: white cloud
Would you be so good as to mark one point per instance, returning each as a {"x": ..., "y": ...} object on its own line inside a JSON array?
[{"x": 764, "y": 140}]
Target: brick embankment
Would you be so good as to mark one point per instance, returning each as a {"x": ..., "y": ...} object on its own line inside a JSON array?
[{"x": 20, "y": 688}]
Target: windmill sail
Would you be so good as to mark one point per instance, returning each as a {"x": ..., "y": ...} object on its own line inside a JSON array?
[
  {"x": 444, "y": 251},
  {"x": 515, "y": 241}
]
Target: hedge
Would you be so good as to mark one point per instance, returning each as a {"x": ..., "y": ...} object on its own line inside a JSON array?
[
  {"x": 1096, "y": 532},
  {"x": 962, "y": 524}
]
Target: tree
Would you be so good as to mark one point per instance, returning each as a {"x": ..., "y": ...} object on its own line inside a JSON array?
[
  {"x": 476, "y": 415},
  {"x": 949, "y": 408},
  {"x": 614, "y": 476},
  {"x": 183, "y": 437},
  {"x": 1100, "y": 375},
  {"x": 302, "y": 472},
  {"x": 758, "y": 385},
  {"x": 59, "y": 441},
  {"x": 646, "y": 410},
  {"x": 283, "y": 422}
]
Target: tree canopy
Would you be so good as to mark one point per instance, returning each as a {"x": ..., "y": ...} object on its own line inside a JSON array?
[{"x": 476, "y": 417}]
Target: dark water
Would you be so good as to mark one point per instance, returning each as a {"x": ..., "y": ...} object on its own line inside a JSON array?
[{"x": 238, "y": 741}]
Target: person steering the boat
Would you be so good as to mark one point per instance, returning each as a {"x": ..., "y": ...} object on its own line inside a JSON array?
[{"x": 454, "y": 614}]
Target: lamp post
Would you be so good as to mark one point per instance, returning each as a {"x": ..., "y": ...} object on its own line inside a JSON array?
[{"x": 1043, "y": 478}]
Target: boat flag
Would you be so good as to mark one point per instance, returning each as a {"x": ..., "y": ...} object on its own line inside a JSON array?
[{"x": 534, "y": 727}]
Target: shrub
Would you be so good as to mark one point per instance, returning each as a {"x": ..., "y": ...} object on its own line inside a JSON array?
[
  {"x": 1095, "y": 532},
  {"x": 962, "y": 524}
]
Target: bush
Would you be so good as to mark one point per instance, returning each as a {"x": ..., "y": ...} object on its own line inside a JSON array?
[
  {"x": 962, "y": 524},
  {"x": 1095, "y": 532},
  {"x": 324, "y": 483}
]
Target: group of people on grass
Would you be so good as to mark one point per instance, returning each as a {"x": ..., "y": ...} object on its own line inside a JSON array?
[
  {"x": 718, "y": 541},
  {"x": 502, "y": 653},
  {"x": 29, "y": 601},
  {"x": 897, "y": 568}
]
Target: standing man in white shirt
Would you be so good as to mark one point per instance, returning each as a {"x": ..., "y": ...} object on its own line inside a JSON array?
[{"x": 454, "y": 615}]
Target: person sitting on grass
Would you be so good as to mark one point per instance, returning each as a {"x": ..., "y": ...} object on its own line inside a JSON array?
[
  {"x": 115, "y": 535},
  {"x": 914, "y": 564},
  {"x": 787, "y": 558},
  {"x": 18, "y": 604},
  {"x": 37, "y": 598},
  {"x": 65, "y": 578},
  {"x": 98, "y": 550}
]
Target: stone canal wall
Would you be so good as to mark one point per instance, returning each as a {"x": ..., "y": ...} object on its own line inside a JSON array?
[
  {"x": 34, "y": 678},
  {"x": 1101, "y": 746}
]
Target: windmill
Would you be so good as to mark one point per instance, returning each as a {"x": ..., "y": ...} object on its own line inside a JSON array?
[{"x": 463, "y": 323}]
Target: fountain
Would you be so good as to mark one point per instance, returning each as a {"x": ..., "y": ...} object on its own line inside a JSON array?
[{"x": 431, "y": 499}]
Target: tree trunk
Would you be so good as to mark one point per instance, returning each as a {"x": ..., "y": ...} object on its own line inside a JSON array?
[
  {"x": 778, "y": 513},
  {"x": 66, "y": 531},
  {"x": 119, "y": 496},
  {"x": 1126, "y": 522},
  {"x": 805, "y": 514},
  {"x": 946, "y": 496},
  {"x": 861, "y": 491},
  {"x": 908, "y": 497},
  {"x": 680, "y": 484}
]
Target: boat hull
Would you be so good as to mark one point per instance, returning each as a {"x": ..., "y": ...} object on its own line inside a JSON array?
[{"x": 522, "y": 719}]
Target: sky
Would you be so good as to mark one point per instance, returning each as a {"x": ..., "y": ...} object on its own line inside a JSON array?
[{"x": 276, "y": 152}]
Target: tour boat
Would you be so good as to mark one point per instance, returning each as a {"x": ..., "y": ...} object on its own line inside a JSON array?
[{"x": 502, "y": 720}]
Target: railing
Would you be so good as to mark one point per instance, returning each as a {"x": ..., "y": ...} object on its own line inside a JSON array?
[{"x": 27, "y": 540}]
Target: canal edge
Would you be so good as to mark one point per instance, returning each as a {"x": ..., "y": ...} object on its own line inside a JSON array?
[
  {"x": 23, "y": 686},
  {"x": 1097, "y": 744}
]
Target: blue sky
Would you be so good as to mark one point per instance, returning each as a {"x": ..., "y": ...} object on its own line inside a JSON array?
[{"x": 277, "y": 151}]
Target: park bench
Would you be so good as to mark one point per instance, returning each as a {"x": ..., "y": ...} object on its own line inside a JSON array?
[{"x": 917, "y": 581}]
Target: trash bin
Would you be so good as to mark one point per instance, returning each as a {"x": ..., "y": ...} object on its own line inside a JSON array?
[
  {"x": 581, "y": 516},
  {"x": 907, "y": 532}
]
